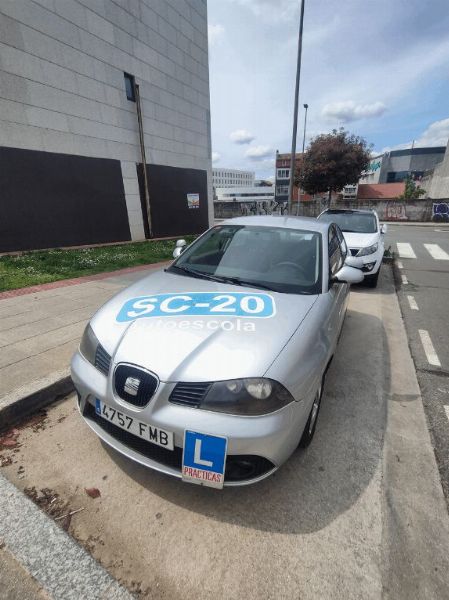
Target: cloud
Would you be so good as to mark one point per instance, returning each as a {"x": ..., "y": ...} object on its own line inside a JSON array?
[
  {"x": 241, "y": 136},
  {"x": 215, "y": 157},
  {"x": 436, "y": 134},
  {"x": 350, "y": 111},
  {"x": 279, "y": 10},
  {"x": 216, "y": 31},
  {"x": 259, "y": 152}
]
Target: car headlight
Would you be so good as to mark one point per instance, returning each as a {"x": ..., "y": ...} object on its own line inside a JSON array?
[
  {"x": 89, "y": 344},
  {"x": 248, "y": 397},
  {"x": 369, "y": 250}
]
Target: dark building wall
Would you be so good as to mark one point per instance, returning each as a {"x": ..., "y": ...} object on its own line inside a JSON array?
[
  {"x": 170, "y": 212},
  {"x": 399, "y": 164},
  {"x": 49, "y": 200}
]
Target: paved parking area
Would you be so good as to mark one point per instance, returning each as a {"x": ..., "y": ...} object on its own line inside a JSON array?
[{"x": 360, "y": 514}]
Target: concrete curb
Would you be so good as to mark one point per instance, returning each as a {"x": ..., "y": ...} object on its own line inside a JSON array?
[
  {"x": 63, "y": 568},
  {"x": 26, "y": 400}
]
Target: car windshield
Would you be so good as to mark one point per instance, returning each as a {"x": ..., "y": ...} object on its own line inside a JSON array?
[
  {"x": 352, "y": 222},
  {"x": 274, "y": 258}
]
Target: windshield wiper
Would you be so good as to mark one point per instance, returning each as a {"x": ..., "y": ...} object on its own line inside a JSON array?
[{"x": 223, "y": 278}]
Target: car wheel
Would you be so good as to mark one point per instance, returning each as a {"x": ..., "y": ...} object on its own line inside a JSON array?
[
  {"x": 309, "y": 429},
  {"x": 372, "y": 280}
]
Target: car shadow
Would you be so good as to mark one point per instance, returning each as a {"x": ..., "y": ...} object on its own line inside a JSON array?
[{"x": 317, "y": 485}]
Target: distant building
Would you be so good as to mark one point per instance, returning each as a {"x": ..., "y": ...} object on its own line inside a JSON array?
[
  {"x": 397, "y": 165},
  {"x": 282, "y": 176},
  {"x": 436, "y": 181},
  {"x": 263, "y": 183},
  {"x": 247, "y": 194},
  {"x": 372, "y": 174},
  {"x": 349, "y": 192},
  {"x": 380, "y": 191},
  {"x": 222, "y": 178}
]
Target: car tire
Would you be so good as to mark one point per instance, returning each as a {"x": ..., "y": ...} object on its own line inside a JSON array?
[
  {"x": 309, "y": 429},
  {"x": 371, "y": 280}
]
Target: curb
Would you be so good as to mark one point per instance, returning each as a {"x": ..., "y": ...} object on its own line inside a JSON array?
[
  {"x": 26, "y": 400},
  {"x": 60, "y": 565}
]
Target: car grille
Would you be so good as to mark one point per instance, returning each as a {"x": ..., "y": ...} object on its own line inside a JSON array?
[
  {"x": 144, "y": 385},
  {"x": 189, "y": 394},
  {"x": 238, "y": 467},
  {"x": 102, "y": 360},
  {"x": 354, "y": 251}
]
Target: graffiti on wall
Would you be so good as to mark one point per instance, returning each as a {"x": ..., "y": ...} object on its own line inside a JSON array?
[
  {"x": 395, "y": 211},
  {"x": 440, "y": 211}
]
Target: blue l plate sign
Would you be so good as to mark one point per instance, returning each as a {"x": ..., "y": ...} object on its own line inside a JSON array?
[{"x": 204, "y": 459}]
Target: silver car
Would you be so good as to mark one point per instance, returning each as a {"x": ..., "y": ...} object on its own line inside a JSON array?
[{"x": 212, "y": 370}]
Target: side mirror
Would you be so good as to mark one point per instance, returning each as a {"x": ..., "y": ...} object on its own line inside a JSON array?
[
  {"x": 179, "y": 248},
  {"x": 354, "y": 261},
  {"x": 383, "y": 228},
  {"x": 349, "y": 275}
]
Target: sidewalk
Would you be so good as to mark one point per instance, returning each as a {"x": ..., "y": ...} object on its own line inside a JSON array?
[{"x": 40, "y": 329}]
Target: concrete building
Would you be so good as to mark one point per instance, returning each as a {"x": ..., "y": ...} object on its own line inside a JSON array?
[
  {"x": 71, "y": 74},
  {"x": 436, "y": 181},
  {"x": 397, "y": 165},
  {"x": 282, "y": 175},
  {"x": 223, "y": 178},
  {"x": 372, "y": 174}
]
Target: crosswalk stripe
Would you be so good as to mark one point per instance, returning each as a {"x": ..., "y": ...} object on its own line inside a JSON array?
[
  {"x": 412, "y": 303},
  {"x": 432, "y": 356},
  {"x": 405, "y": 250},
  {"x": 436, "y": 252}
]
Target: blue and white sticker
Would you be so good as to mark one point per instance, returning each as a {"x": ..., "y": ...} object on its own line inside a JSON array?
[
  {"x": 195, "y": 304},
  {"x": 204, "y": 459}
]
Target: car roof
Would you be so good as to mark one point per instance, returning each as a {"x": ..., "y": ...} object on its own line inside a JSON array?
[
  {"x": 336, "y": 211},
  {"x": 287, "y": 222}
]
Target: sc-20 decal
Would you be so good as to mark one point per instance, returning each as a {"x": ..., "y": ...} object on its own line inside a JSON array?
[{"x": 211, "y": 304}]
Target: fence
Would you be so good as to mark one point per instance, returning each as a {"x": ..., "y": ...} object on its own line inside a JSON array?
[{"x": 388, "y": 210}]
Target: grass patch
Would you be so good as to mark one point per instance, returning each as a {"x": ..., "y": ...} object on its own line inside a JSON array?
[{"x": 45, "y": 266}]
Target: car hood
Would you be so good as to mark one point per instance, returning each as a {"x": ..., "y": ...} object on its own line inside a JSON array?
[
  {"x": 360, "y": 240},
  {"x": 188, "y": 348}
]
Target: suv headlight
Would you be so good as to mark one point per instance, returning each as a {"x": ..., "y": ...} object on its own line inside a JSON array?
[
  {"x": 89, "y": 344},
  {"x": 369, "y": 250},
  {"x": 248, "y": 397}
]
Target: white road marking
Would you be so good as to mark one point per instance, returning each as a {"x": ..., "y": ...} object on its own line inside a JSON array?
[
  {"x": 400, "y": 265},
  {"x": 446, "y": 410},
  {"x": 412, "y": 302},
  {"x": 432, "y": 356},
  {"x": 436, "y": 252},
  {"x": 405, "y": 250},
  {"x": 404, "y": 280}
]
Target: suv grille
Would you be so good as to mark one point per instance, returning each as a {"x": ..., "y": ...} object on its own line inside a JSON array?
[
  {"x": 102, "y": 360},
  {"x": 134, "y": 385},
  {"x": 189, "y": 394}
]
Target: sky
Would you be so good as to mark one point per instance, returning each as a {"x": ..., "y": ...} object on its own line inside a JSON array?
[{"x": 378, "y": 68}]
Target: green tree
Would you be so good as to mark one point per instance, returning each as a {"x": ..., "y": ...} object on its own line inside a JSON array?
[
  {"x": 411, "y": 191},
  {"x": 332, "y": 161}
]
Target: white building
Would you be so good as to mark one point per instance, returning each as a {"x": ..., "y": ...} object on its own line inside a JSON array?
[
  {"x": 69, "y": 131},
  {"x": 437, "y": 185},
  {"x": 249, "y": 194},
  {"x": 223, "y": 178},
  {"x": 372, "y": 174}
]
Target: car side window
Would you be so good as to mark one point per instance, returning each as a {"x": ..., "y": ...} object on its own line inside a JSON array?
[{"x": 336, "y": 259}]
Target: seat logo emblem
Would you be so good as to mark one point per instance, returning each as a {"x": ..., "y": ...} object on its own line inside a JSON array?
[{"x": 131, "y": 386}]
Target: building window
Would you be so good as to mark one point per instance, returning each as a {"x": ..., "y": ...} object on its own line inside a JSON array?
[
  {"x": 130, "y": 87},
  {"x": 283, "y": 173}
]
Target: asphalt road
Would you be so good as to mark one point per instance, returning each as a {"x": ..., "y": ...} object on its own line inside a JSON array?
[
  {"x": 359, "y": 514},
  {"x": 422, "y": 277}
]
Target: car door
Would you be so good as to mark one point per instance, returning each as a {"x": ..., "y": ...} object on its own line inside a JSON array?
[{"x": 338, "y": 292}]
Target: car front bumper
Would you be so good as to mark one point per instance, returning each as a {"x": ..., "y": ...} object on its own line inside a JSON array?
[
  {"x": 371, "y": 262},
  {"x": 257, "y": 446}
]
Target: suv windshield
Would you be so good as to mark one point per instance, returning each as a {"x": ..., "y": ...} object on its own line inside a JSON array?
[
  {"x": 353, "y": 222},
  {"x": 274, "y": 258}
]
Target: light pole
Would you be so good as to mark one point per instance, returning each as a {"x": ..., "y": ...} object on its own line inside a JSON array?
[
  {"x": 295, "y": 113},
  {"x": 306, "y": 106}
]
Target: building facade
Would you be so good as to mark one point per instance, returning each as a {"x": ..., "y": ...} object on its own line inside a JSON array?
[
  {"x": 397, "y": 165},
  {"x": 436, "y": 181},
  {"x": 223, "y": 178},
  {"x": 372, "y": 174},
  {"x": 71, "y": 77},
  {"x": 282, "y": 175},
  {"x": 245, "y": 194}
]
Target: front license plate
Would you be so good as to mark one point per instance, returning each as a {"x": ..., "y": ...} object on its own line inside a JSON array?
[
  {"x": 147, "y": 432},
  {"x": 204, "y": 459}
]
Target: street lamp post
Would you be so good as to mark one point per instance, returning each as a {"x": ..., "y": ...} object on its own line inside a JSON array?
[
  {"x": 306, "y": 106},
  {"x": 295, "y": 113}
]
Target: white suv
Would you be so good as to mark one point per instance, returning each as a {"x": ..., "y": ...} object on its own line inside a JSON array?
[{"x": 364, "y": 236}]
